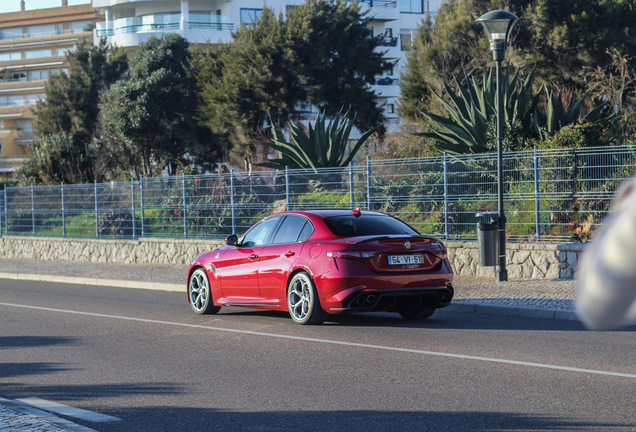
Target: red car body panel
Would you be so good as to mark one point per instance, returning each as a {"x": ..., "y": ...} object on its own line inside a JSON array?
[{"x": 350, "y": 273}]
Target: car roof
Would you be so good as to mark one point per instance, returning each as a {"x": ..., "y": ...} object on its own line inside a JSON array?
[{"x": 325, "y": 213}]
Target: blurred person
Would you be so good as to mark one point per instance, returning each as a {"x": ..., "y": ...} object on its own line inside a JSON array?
[{"x": 606, "y": 286}]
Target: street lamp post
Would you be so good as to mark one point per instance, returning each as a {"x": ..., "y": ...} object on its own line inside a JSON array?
[{"x": 498, "y": 25}]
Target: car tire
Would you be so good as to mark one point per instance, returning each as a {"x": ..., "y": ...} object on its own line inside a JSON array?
[
  {"x": 417, "y": 314},
  {"x": 303, "y": 302},
  {"x": 199, "y": 293}
]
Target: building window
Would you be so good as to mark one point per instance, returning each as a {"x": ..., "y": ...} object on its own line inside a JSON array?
[
  {"x": 412, "y": 6},
  {"x": 79, "y": 26},
  {"x": 389, "y": 72},
  {"x": 38, "y": 53},
  {"x": 405, "y": 39},
  {"x": 39, "y": 74},
  {"x": 250, "y": 16},
  {"x": 42, "y": 30},
  {"x": 62, "y": 51},
  {"x": 18, "y": 76},
  {"x": 32, "y": 99},
  {"x": 11, "y": 33},
  {"x": 390, "y": 108},
  {"x": 24, "y": 125},
  {"x": 6, "y": 56},
  {"x": 16, "y": 100}
]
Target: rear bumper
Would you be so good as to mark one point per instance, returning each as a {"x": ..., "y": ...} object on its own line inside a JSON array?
[
  {"x": 358, "y": 288},
  {"x": 396, "y": 300}
]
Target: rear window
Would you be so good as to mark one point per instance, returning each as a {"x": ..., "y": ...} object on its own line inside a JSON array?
[{"x": 351, "y": 226}]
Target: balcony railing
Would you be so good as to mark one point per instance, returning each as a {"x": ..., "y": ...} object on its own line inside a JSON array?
[
  {"x": 209, "y": 26},
  {"x": 379, "y": 3},
  {"x": 128, "y": 26},
  {"x": 386, "y": 81},
  {"x": 42, "y": 34},
  {"x": 388, "y": 42}
]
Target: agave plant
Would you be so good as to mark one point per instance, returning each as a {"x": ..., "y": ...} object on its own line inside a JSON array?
[
  {"x": 321, "y": 146},
  {"x": 557, "y": 116},
  {"x": 465, "y": 130}
]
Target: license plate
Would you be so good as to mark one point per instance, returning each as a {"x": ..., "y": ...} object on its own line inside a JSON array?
[{"x": 405, "y": 259}]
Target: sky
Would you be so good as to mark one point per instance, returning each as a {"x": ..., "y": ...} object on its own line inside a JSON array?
[{"x": 14, "y": 5}]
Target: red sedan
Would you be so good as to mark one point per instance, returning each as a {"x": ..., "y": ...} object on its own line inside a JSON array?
[{"x": 320, "y": 262}]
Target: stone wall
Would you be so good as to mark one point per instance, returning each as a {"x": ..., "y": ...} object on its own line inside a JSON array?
[
  {"x": 523, "y": 260},
  {"x": 151, "y": 251},
  {"x": 528, "y": 260}
]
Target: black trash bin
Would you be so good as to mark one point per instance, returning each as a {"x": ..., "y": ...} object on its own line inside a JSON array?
[{"x": 488, "y": 238}]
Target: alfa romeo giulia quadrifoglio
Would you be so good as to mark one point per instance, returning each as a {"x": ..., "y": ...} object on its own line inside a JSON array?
[{"x": 322, "y": 262}]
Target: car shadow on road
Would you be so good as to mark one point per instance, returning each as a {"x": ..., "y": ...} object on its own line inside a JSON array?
[
  {"x": 191, "y": 419},
  {"x": 7, "y": 342},
  {"x": 442, "y": 319}
]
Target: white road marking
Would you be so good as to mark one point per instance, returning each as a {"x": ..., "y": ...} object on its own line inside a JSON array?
[
  {"x": 335, "y": 342},
  {"x": 68, "y": 410}
]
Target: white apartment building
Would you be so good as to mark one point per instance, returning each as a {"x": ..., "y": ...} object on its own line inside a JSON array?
[{"x": 131, "y": 22}]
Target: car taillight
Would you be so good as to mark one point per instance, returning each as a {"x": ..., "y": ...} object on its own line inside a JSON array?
[
  {"x": 346, "y": 254},
  {"x": 441, "y": 253},
  {"x": 368, "y": 254}
]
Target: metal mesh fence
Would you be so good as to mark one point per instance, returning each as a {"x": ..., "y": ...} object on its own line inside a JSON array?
[{"x": 549, "y": 195}]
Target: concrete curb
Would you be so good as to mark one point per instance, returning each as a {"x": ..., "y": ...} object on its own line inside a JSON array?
[
  {"x": 24, "y": 417},
  {"x": 465, "y": 306},
  {"x": 158, "y": 286},
  {"x": 462, "y": 306}
]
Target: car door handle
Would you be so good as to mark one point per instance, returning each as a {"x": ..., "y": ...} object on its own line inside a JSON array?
[
  {"x": 289, "y": 254},
  {"x": 253, "y": 256}
]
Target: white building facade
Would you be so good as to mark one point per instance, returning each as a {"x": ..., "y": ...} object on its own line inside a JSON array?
[{"x": 130, "y": 22}]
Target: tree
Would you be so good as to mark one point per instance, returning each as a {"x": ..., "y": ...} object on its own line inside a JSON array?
[
  {"x": 54, "y": 159},
  {"x": 148, "y": 119},
  {"x": 562, "y": 39},
  {"x": 323, "y": 54},
  {"x": 69, "y": 114}
]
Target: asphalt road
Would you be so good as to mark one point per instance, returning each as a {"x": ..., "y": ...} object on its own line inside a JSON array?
[{"x": 144, "y": 357}]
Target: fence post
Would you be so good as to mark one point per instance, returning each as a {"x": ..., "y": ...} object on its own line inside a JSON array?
[
  {"x": 132, "y": 187},
  {"x": 141, "y": 191},
  {"x": 445, "y": 167},
  {"x": 287, "y": 194},
  {"x": 351, "y": 198},
  {"x": 6, "y": 208},
  {"x": 33, "y": 208},
  {"x": 185, "y": 209},
  {"x": 63, "y": 212},
  {"x": 368, "y": 183},
  {"x": 232, "y": 202},
  {"x": 96, "y": 211},
  {"x": 537, "y": 204}
]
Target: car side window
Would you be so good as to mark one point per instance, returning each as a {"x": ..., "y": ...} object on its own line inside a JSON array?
[
  {"x": 258, "y": 235},
  {"x": 306, "y": 232},
  {"x": 290, "y": 229}
]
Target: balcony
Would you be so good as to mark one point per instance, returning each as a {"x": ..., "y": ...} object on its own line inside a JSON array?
[
  {"x": 381, "y": 10},
  {"x": 388, "y": 42},
  {"x": 386, "y": 87},
  {"x": 132, "y": 31}
]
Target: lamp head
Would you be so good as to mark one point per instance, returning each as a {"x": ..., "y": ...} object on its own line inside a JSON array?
[{"x": 498, "y": 25}]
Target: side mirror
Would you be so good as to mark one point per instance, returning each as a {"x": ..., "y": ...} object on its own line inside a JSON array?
[{"x": 231, "y": 240}]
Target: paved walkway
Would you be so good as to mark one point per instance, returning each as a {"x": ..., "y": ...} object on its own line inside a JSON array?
[{"x": 550, "y": 299}]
